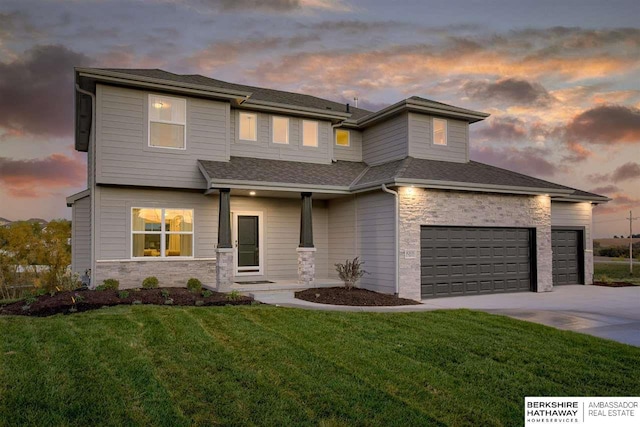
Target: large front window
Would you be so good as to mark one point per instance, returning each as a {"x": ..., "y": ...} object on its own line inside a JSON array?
[
  {"x": 158, "y": 232},
  {"x": 167, "y": 122}
]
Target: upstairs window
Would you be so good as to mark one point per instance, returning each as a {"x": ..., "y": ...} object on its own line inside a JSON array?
[
  {"x": 248, "y": 126},
  {"x": 161, "y": 233},
  {"x": 167, "y": 122},
  {"x": 309, "y": 133},
  {"x": 343, "y": 138},
  {"x": 280, "y": 131},
  {"x": 439, "y": 132}
]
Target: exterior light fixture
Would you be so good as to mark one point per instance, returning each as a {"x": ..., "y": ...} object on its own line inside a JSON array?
[{"x": 252, "y": 193}]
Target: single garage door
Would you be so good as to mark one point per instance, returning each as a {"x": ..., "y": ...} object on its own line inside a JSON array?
[
  {"x": 474, "y": 260},
  {"x": 567, "y": 267}
]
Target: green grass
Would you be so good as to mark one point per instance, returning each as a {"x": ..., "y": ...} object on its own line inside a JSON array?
[
  {"x": 617, "y": 272},
  {"x": 174, "y": 366}
]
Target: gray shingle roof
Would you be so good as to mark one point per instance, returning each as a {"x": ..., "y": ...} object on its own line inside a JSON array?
[
  {"x": 258, "y": 93},
  {"x": 358, "y": 175},
  {"x": 337, "y": 174}
]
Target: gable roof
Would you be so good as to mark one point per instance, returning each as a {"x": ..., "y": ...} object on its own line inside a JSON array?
[{"x": 347, "y": 177}]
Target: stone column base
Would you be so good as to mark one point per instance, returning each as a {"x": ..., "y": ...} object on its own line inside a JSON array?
[
  {"x": 224, "y": 269},
  {"x": 306, "y": 266}
]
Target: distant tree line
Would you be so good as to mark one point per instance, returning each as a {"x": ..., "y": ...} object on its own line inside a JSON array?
[
  {"x": 616, "y": 251},
  {"x": 635, "y": 236}
]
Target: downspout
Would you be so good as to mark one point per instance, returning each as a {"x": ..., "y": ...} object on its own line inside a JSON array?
[
  {"x": 92, "y": 136},
  {"x": 333, "y": 142},
  {"x": 396, "y": 229}
]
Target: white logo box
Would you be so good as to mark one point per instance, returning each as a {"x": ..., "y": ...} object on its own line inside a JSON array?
[{"x": 582, "y": 411}]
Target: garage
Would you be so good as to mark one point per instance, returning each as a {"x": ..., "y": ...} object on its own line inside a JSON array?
[
  {"x": 476, "y": 260},
  {"x": 567, "y": 260}
]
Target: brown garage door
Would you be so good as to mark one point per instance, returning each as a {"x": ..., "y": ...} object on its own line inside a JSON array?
[
  {"x": 567, "y": 248},
  {"x": 475, "y": 260}
]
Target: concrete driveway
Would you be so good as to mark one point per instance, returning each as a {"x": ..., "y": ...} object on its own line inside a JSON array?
[{"x": 612, "y": 313}]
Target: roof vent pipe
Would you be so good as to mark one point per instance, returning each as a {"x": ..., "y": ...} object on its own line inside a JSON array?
[{"x": 348, "y": 108}]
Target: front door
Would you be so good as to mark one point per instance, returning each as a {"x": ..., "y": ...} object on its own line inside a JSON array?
[{"x": 247, "y": 231}]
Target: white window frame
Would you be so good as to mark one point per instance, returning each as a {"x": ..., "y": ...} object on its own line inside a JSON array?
[
  {"x": 163, "y": 233},
  {"x": 348, "y": 138},
  {"x": 317, "y": 133},
  {"x": 255, "y": 125},
  {"x": 169, "y": 122},
  {"x": 273, "y": 128},
  {"x": 446, "y": 132}
]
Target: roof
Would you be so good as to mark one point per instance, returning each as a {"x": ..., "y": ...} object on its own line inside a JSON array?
[
  {"x": 357, "y": 176},
  {"x": 257, "y": 93}
]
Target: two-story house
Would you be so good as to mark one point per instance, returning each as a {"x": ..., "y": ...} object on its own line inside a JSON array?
[{"x": 194, "y": 177}]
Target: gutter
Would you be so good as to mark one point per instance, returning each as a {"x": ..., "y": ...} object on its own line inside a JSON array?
[{"x": 397, "y": 242}]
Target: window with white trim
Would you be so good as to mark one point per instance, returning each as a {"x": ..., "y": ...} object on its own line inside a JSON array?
[
  {"x": 309, "y": 133},
  {"x": 248, "y": 126},
  {"x": 439, "y": 131},
  {"x": 343, "y": 138},
  {"x": 167, "y": 122},
  {"x": 280, "y": 130},
  {"x": 161, "y": 232}
]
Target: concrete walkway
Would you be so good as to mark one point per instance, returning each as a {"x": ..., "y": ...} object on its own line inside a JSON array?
[{"x": 612, "y": 313}]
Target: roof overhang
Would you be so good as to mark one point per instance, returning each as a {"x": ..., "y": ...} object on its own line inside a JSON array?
[
  {"x": 596, "y": 200},
  {"x": 75, "y": 197},
  {"x": 115, "y": 77},
  {"x": 274, "y": 107},
  {"x": 414, "y": 105}
]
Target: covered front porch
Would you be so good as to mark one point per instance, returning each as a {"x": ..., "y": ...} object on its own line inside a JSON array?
[{"x": 275, "y": 240}]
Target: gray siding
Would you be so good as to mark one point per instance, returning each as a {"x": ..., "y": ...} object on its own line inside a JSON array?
[
  {"x": 386, "y": 141},
  {"x": 113, "y": 219},
  {"x": 122, "y": 152},
  {"x": 281, "y": 228},
  {"x": 81, "y": 235},
  {"x": 263, "y": 148},
  {"x": 375, "y": 225},
  {"x": 421, "y": 139},
  {"x": 567, "y": 214},
  {"x": 342, "y": 232},
  {"x": 352, "y": 153}
]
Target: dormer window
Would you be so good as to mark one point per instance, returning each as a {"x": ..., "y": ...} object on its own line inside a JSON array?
[
  {"x": 248, "y": 126},
  {"x": 439, "y": 132},
  {"x": 167, "y": 122}
]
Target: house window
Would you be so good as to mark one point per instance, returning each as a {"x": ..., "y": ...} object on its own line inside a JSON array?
[
  {"x": 162, "y": 233},
  {"x": 309, "y": 133},
  {"x": 167, "y": 122},
  {"x": 248, "y": 126},
  {"x": 439, "y": 132},
  {"x": 280, "y": 131},
  {"x": 343, "y": 138}
]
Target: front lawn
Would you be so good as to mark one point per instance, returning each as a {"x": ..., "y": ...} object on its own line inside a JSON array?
[
  {"x": 616, "y": 272},
  {"x": 143, "y": 365}
]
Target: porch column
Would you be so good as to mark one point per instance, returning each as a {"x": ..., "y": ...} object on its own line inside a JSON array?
[
  {"x": 306, "y": 250},
  {"x": 224, "y": 251}
]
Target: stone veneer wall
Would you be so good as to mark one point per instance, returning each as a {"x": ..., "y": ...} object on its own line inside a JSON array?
[
  {"x": 457, "y": 208},
  {"x": 170, "y": 273}
]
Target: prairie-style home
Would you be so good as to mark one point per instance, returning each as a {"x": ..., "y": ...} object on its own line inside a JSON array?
[{"x": 235, "y": 185}]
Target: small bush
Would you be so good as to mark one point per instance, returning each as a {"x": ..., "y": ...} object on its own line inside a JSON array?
[
  {"x": 101, "y": 288},
  {"x": 150, "y": 282},
  {"x": 350, "y": 272},
  {"x": 123, "y": 294},
  {"x": 165, "y": 293},
  {"x": 206, "y": 293},
  {"x": 77, "y": 298},
  {"x": 109, "y": 284},
  {"x": 234, "y": 295},
  {"x": 30, "y": 299},
  {"x": 199, "y": 302},
  {"x": 194, "y": 285}
]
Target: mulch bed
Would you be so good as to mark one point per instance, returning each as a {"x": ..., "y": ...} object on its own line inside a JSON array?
[
  {"x": 62, "y": 302},
  {"x": 614, "y": 284},
  {"x": 354, "y": 297}
]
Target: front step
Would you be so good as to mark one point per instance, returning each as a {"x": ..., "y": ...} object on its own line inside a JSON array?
[{"x": 268, "y": 297}]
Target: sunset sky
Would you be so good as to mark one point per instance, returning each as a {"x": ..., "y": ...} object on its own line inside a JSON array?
[{"x": 561, "y": 79}]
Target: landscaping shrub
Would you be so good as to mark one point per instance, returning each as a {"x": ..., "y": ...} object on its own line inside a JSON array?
[
  {"x": 206, "y": 293},
  {"x": 150, "y": 282},
  {"x": 350, "y": 272},
  {"x": 194, "y": 285},
  {"x": 234, "y": 295},
  {"x": 109, "y": 284},
  {"x": 123, "y": 294}
]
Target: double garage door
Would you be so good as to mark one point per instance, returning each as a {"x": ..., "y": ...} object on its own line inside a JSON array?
[{"x": 483, "y": 260}]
